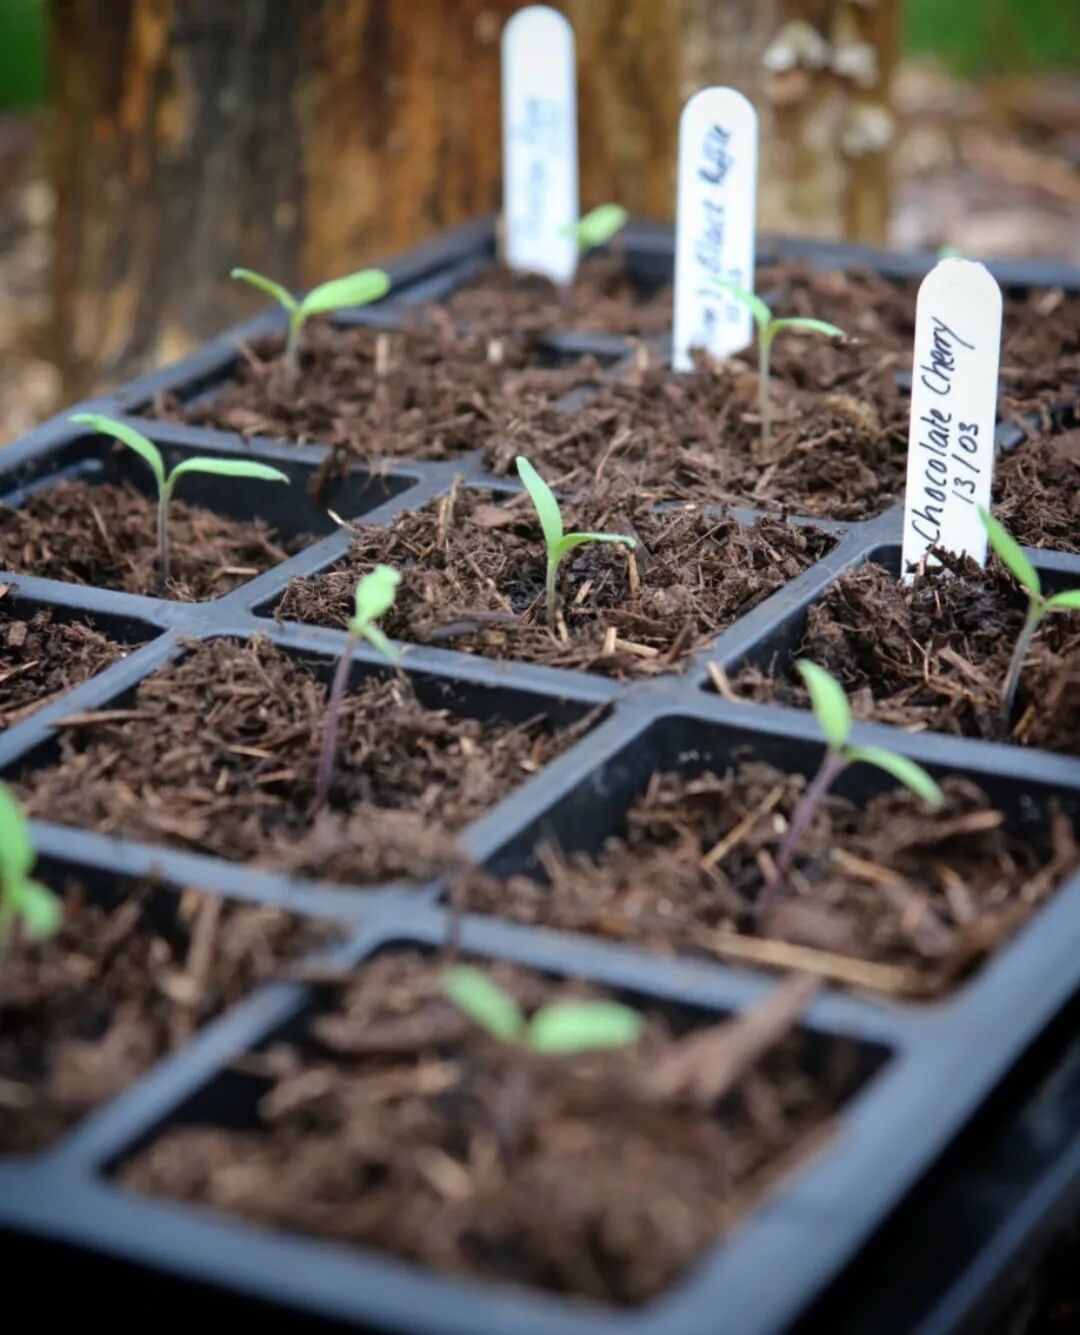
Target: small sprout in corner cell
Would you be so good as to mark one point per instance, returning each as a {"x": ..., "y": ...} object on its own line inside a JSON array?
[
  {"x": 1012, "y": 557},
  {"x": 25, "y": 904},
  {"x": 375, "y": 595},
  {"x": 768, "y": 328},
  {"x": 830, "y": 704},
  {"x": 166, "y": 481},
  {"x": 356, "y": 289},
  {"x": 598, "y": 227},
  {"x": 558, "y": 542},
  {"x": 562, "y": 1028}
]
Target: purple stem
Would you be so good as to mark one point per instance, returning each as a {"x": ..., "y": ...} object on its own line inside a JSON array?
[
  {"x": 333, "y": 714},
  {"x": 831, "y": 765}
]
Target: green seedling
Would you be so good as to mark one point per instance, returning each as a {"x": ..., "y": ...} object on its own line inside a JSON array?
[
  {"x": 768, "y": 327},
  {"x": 25, "y": 904},
  {"x": 166, "y": 481},
  {"x": 375, "y": 595},
  {"x": 1039, "y": 605},
  {"x": 562, "y": 1028},
  {"x": 558, "y": 542},
  {"x": 356, "y": 289},
  {"x": 833, "y": 712},
  {"x": 597, "y": 227}
]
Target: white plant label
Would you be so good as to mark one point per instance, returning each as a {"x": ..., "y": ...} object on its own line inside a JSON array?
[
  {"x": 540, "y": 159},
  {"x": 953, "y": 412},
  {"x": 716, "y": 208}
]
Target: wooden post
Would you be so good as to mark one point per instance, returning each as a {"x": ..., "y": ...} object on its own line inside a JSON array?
[{"x": 306, "y": 137}]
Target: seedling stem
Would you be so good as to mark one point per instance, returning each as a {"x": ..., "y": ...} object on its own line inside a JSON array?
[
  {"x": 374, "y": 596},
  {"x": 834, "y": 714},
  {"x": 166, "y": 481},
  {"x": 768, "y": 327},
  {"x": 558, "y": 542},
  {"x": 356, "y": 289},
  {"x": 1039, "y": 605}
]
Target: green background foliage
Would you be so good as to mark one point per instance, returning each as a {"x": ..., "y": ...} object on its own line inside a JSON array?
[
  {"x": 995, "y": 36},
  {"x": 22, "y": 53}
]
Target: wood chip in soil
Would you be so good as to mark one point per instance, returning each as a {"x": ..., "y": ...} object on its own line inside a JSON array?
[
  {"x": 1037, "y": 491},
  {"x": 473, "y": 572},
  {"x": 219, "y": 753},
  {"x": 439, "y": 395},
  {"x": 1040, "y": 352},
  {"x": 41, "y": 657},
  {"x": 885, "y": 896},
  {"x": 1040, "y": 339},
  {"x": 933, "y": 655},
  {"x": 603, "y": 299},
  {"x": 107, "y": 535},
  {"x": 397, "y": 1126},
  {"x": 122, "y": 984},
  {"x": 651, "y": 433}
]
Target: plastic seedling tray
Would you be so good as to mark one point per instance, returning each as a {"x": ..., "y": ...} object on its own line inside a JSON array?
[
  {"x": 966, "y": 1247},
  {"x": 925, "y": 1070}
]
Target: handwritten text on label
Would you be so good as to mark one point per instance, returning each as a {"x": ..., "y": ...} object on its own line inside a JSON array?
[
  {"x": 714, "y": 229},
  {"x": 953, "y": 412}
]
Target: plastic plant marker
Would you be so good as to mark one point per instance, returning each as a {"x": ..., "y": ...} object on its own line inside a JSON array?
[
  {"x": 539, "y": 126},
  {"x": 715, "y": 210},
  {"x": 953, "y": 413}
]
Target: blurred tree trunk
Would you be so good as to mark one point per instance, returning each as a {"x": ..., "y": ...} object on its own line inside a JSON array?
[{"x": 306, "y": 137}]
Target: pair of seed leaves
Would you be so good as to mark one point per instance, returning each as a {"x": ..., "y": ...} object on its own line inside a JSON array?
[
  {"x": 561, "y": 1028},
  {"x": 355, "y": 289},
  {"x": 151, "y": 455}
]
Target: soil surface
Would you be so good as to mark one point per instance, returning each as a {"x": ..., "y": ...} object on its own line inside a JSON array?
[
  {"x": 473, "y": 579},
  {"x": 218, "y": 753},
  {"x": 421, "y": 394},
  {"x": 41, "y": 657},
  {"x": 401, "y": 1127},
  {"x": 85, "y": 1013},
  {"x": 889, "y": 897},
  {"x": 1040, "y": 342},
  {"x": 106, "y": 534},
  {"x": 839, "y": 453},
  {"x": 603, "y": 299},
  {"x": 1037, "y": 491},
  {"x": 840, "y": 424},
  {"x": 934, "y": 655},
  {"x": 1040, "y": 352}
]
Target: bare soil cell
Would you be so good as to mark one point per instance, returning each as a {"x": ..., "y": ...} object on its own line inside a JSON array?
[
  {"x": 1037, "y": 491},
  {"x": 473, "y": 579},
  {"x": 934, "y": 655},
  {"x": 399, "y": 1126},
  {"x": 218, "y": 753},
  {"x": 107, "y": 535},
  {"x": 838, "y": 454},
  {"x": 603, "y": 299},
  {"x": 83, "y": 1014},
  {"x": 437, "y": 395},
  {"x": 890, "y": 897},
  {"x": 41, "y": 657}
]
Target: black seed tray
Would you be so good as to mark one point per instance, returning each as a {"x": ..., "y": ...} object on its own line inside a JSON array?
[{"x": 929, "y": 1069}]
